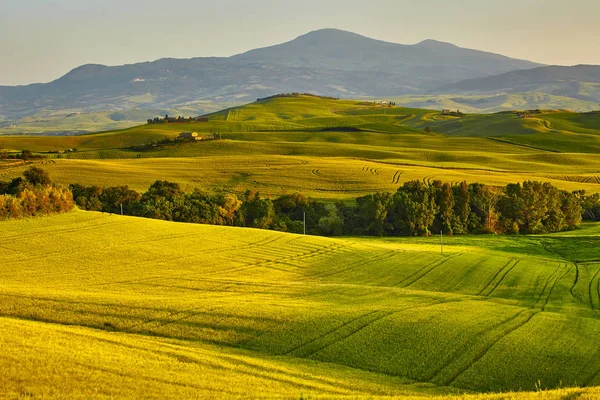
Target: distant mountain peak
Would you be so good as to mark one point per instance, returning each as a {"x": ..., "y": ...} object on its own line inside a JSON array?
[
  {"x": 435, "y": 43},
  {"x": 330, "y": 62},
  {"x": 331, "y": 34}
]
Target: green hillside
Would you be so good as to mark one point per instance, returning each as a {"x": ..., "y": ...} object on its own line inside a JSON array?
[
  {"x": 156, "y": 307},
  {"x": 330, "y": 149}
]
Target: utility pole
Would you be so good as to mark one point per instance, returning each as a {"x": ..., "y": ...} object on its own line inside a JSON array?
[
  {"x": 121, "y": 208},
  {"x": 304, "y": 222},
  {"x": 442, "y": 241}
]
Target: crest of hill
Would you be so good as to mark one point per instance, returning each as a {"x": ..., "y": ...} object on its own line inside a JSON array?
[{"x": 338, "y": 49}]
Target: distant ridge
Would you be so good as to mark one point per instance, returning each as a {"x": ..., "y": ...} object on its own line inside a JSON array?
[
  {"x": 327, "y": 62},
  {"x": 579, "y": 82}
]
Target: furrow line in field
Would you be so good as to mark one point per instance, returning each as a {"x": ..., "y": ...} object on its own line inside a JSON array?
[
  {"x": 398, "y": 177},
  {"x": 56, "y": 230},
  {"x": 598, "y": 288},
  {"x": 572, "y": 290},
  {"x": 426, "y": 270},
  {"x": 565, "y": 270},
  {"x": 333, "y": 340},
  {"x": 302, "y": 256},
  {"x": 120, "y": 374},
  {"x": 136, "y": 327},
  {"x": 547, "y": 283},
  {"x": 505, "y": 329},
  {"x": 336, "y": 385},
  {"x": 337, "y": 335},
  {"x": 512, "y": 260},
  {"x": 331, "y": 331},
  {"x": 502, "y": 278},
  {"x": 359, "y": 263},
  {"x": 240, "y": 268},
  {"x": 590, "y": 290},
  {"x": 452, "y": 366}
]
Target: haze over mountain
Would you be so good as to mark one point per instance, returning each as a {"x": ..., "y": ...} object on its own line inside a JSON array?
[
  {"x": 579, "y": 82},
  {"x": 328, "y": 62}
]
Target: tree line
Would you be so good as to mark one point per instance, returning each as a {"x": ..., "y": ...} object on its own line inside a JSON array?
[
  {"x": 416, "y": 209},
  {"x": 33, "y": 194}
]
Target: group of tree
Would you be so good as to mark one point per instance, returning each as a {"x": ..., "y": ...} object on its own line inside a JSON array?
[
  {"x": 420, "y": 209},
  {"x": 24, "y": 155},
  {"x": 33, "y": 194},
  {"x": 172, "y": 120},
  {"x": 167, "y": 201},
  {"x": 416, "y": 209}
]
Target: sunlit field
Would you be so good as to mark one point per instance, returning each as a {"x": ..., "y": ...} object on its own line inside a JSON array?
[{"x": 154, "y": 306}]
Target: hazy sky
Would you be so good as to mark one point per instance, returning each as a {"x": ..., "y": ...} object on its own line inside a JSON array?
[{"x": 41, "y": 40}]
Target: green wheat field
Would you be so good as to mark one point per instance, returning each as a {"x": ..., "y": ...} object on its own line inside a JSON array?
[{"x": 96, "y": 305}]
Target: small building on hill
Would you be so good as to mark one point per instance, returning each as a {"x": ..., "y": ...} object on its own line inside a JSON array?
[
  {"x": 445, "y": 112},
  {"x": 189, "y": 136}
]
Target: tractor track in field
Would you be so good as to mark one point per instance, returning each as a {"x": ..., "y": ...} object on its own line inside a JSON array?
[
  {"x": 135, "y": 265},
  {"x": 119, "y": 374},
  {"x": 372, "y": 171},
  {"x": 337, "y": 335},
  {"x": 359, "y": 263},
  {"x": 549, "y": 287},
  {"x": 591, "y": 290},
  {"x": 598, "y": 288},
  {"x": 426, "y": 270},
  {"x": 491, "y": 337},
  {"x": 565, "y": 270},
  {"x": 547, "y": 282},
  {"x": 316, "y": 172},
  {"x": 190, "y": 313},
  {"x": 396, "y": 178},
  {"x": 378, "y": 317},
  {"x": 502, "y": 278},
  {"x": 512, "y": 260},
  {"x": 331, "y": 331},
  {"x": 58, "y": 231},
  {"x": 286, "y": 260},
  {"x": 572, "y": 289},
  {"x": 267, "y": 240}
]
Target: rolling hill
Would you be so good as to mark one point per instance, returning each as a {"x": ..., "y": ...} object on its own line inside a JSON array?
[
  {"x": 329, "y": 149},
  {"x": 159, "y": 309},
  {"x": 329, "y": 62}
]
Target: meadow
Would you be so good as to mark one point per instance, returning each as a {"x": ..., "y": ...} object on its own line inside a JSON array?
[
  {"x": 156, "y": 307},
  {"x": 330, "y": 149}
]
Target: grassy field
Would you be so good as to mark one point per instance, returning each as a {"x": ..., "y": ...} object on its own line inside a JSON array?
[
  {"x": 156, "y": 307},
  {"x": 331, "y": 149}
]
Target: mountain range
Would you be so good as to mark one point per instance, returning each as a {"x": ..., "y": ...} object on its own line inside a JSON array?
[{"x": 327, "y": 62}]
